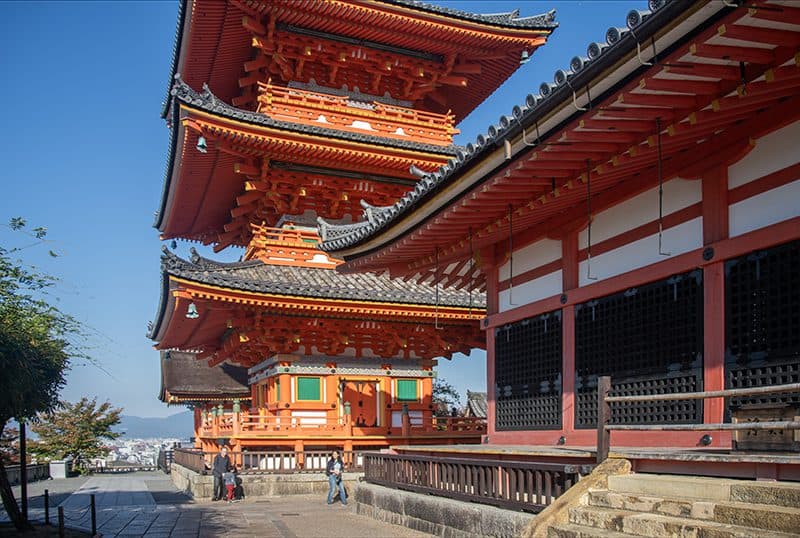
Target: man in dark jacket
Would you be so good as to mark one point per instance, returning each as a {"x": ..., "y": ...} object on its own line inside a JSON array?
[{"x": 220, "y": 465}]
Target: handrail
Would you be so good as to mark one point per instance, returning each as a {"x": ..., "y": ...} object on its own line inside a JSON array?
[
  {"x": 307, "y": 106},
  {"x": 513, "y": 484},
  {"x": 268, "y": 461},
  {"x": 604, "y": 412},
  {"x": 791, "y": 387}
]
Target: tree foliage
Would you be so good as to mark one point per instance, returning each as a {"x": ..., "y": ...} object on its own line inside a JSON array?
[
  {"x": 36, "y": 344},
  {"x": 77, "y": 430},
  {"x": 445, "y": 395},
  {"x": 35, "y": 347}
]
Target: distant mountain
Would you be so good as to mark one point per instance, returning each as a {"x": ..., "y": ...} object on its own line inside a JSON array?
[{"x": 178, "y": 426}]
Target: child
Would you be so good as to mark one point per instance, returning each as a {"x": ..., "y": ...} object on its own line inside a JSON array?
[{"x": 229, "y": 479}]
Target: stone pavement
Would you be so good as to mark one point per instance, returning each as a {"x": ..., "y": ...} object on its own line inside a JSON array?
[{"x": 147, "y": 504}]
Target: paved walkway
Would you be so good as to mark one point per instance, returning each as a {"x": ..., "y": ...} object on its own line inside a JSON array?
[{"x": 147, "y": 504}]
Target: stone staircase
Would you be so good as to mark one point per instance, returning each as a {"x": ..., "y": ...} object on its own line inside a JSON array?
[{"x": 666, "y": 506}]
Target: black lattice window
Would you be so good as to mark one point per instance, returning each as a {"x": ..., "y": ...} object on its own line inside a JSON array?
[
  {"x": 528, "y": 374},
  {"x": 650, "y": 341},
  {"x": 762, "y": 322}
]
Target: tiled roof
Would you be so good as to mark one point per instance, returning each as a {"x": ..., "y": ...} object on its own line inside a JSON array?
[
  {"x": 186, "y": 376},
  {"x": 210, "y": 103},
  {"x": 544, "y": 21},
  {"x": 256, "y": 276},
  {"x": 599, "y": 56},
  {"x": 207, "y": 101},
  {"x": 476, "y": 404},
  {"x": 511, "y": 19}
]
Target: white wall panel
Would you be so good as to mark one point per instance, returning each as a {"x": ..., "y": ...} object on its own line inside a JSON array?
[
  {"x": 764, "y": 209},
  {"x": 532, "y": 256},
  {"x": 773, "y": 152},
  {"x": 531, "y": 291},
  {"x": 641, "y": 209},
  {"x": 676, "y": 240}
]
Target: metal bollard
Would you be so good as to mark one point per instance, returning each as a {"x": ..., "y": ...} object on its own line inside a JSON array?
[
  {"x": 94, "y": 516},
  {"x": 47, "y": 507},
  {"x": 61, "y": 522}
]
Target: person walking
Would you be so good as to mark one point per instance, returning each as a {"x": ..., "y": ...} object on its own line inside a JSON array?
[
  {"x": 220, "y": 465},
  {"x": 334, "y": 470}
]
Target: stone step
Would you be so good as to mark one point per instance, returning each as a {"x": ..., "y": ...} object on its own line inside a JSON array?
[
  {"x": 570, "y": 530},
  {"x": 708, "y": 489},
  {"x": 662, "y": 526},
  {"x": 762, "y": 516}
]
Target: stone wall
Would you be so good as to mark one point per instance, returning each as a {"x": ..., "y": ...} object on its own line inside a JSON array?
[
  {"x": 437, "y": 515},
  {"x": 201, "y": 487}
]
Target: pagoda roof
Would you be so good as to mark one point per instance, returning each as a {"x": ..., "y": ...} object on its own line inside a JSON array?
[
  {"x": 535, "y": 107},
  {"x": 218, "y": 59},
  {"x": 477, "y": 404},
  {"x": 532, "y": 164},
  {"x": 313, "y": 282},
  {"x": 187, "y": 101},
  {"x": 508, "y": 19},
  {"x": 262, "y": 303},
  {"x": 185, "y": 377}
]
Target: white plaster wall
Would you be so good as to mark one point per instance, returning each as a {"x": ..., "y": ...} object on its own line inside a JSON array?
[
  {"x": 676, "y": 240},
  {"x": 641, "y": 209},
  {"x": 533, "y": 290},
  {"x": 773, "y": 152},
  {"x": 532, "y": 256},
  {"x": 764, "y": 209}
]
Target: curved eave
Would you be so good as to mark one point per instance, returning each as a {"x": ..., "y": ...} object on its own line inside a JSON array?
[
  {"x": 446, "y": 187},
  {"x": 219, "y": 60},
  {"x": 166, "y": 307},
  {"x": 327, "y": 305},
  {"x": 266, "y": 129}
]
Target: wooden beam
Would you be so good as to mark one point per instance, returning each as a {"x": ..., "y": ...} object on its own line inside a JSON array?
[
  {"x": 247, "y": 169},
  {"x": 727, "y": 52},
  {"x": 754, "y": 34}
]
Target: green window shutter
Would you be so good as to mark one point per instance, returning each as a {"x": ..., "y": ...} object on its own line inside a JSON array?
[
  {"x": 308, "y": 388},
  {"x": 277, "y": 390},
  {"x": 406, "y": 390}
]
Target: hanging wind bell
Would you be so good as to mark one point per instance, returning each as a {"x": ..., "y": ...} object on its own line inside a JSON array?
[
  {"x": 191, "y": 311},
  {"x": 202, "y": 145},
  {"x": 660, "y": 192},
  {"x": 589, "y": 225}
]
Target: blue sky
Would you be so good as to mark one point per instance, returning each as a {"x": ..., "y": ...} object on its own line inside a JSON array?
[{"x": 83, "y": 151}]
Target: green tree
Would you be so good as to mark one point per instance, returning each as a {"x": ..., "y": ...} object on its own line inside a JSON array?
[
  {"x": 445, "y": 396},
  {"x": 77, "y": 430},
  {"x": 36, "y": 345}
]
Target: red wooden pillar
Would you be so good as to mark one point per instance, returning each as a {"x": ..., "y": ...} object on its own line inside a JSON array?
[
  {"x": 715, "y": 228},
  {"x": 569, "y": 277},
  {"x": 492, "y": 307},
  {"x": 490, "y": 383}
]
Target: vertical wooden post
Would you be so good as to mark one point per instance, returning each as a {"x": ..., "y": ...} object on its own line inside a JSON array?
[
  {"x": 94, "y": 514},
  {"x": 406, "y": 424},
  {"x": 569, "y": 276},
  {"x": 61, "y": 521},
  {"x": 715, "y": 228},
  {"x": 603, "y": 418},
  {"x": 23, "y": 469},
  {"x": 47, "y": 507}
]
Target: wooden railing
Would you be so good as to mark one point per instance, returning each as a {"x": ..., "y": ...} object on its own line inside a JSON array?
[
  {"x": 604, "y": 401},
  {"x": 229, "y": 425},
  {"x": 518, "y": 485},
  {"x": 294, "y": 104},
  {"x": 267, "y": 462},
  {"x": 190, "y": 458}
]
